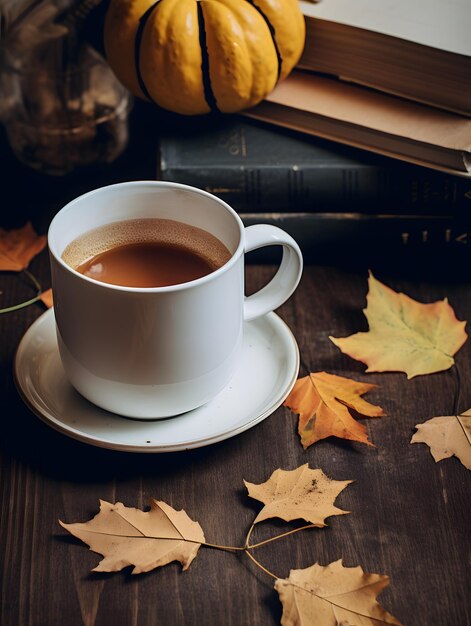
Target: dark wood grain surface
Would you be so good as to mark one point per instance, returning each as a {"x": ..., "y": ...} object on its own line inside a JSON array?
[{"x": 410, "y": 517}]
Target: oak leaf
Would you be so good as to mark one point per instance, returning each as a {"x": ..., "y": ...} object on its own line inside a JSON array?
[
  {"x": 127, "y": 536},
  {"x": 301, "y": 493},
  {"x": 18, "y": 247},
  {"x": 322, "y": 401},
  {"x": 404, "y": 335},
  {"x": 333, "y": 595},
  {"x": 447, "y": 435}
]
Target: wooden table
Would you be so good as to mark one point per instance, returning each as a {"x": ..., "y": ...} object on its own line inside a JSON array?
[{"x": 410, "y": 517}]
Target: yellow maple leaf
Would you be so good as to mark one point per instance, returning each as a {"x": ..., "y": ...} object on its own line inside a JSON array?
[
  {"x": 404, "y": 335},
  {"x": 301, "y": 493},
  {"x": 127, "y": 536},
  {"x": 322, "y": 401},
  {"x": 447, "y": 435},
  {"x": 333, "y": 595},
  {"x": 18, "y": 247}
]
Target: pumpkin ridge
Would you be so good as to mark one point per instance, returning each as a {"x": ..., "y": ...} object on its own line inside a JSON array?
[
  {"x": 272, "y": 31},
  {"x": 137, "y": 48},
  {"x": 207, "y": 87}
]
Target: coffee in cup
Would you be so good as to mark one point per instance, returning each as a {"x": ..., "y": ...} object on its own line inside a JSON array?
[{"x": 150, "y": 252}]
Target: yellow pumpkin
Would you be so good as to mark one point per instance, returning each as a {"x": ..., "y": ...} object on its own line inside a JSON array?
[{"x": 196, "y": 56}]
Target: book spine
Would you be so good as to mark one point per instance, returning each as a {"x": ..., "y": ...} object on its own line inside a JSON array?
[
  {"x": 313, "y": 188},
  {"x": 327, "y": 235}
]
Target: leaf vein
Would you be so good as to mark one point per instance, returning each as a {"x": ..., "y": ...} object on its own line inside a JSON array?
[
  {"x": 323, "y": 599},
  {"x": 465, "y": 432}
]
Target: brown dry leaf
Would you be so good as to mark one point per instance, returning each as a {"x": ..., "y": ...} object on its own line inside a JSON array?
[
  {"x": 46, "y": 298},
  {"x": 333, "y": 595},
  {"x": 404, "y": 335},
  {"x": 302, "y": 493},
  {"x": 322, "y": 401},
  {"x": 127, "y": 536},
  {"x": 447, "y": 435},
  {"x": 18, "y": 247}
]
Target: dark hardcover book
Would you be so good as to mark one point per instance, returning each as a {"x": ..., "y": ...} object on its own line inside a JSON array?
[
  {"x": 257, "y": 168},
  {"x": 331, "y": 236}
]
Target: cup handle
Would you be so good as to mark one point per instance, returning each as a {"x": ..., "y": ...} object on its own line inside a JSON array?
[{"x": 285, "y": 281}]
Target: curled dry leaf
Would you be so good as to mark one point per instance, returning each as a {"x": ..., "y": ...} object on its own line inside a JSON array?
[
  {"x": 332, "y": 596},
  {"x": 127, "y": 536},
  {"x": 18, "y": 247},
  {"x": 404, "y": 335},
  {"x": 302, "y": 493},
  {"x": 447, "y": 435},
  {"x": 322, "y": 401}
]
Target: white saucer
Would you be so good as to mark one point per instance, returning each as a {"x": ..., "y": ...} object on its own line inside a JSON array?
[{"x": 268, "y": 371}]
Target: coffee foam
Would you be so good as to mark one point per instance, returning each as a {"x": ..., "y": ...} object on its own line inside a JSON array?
[{"x": 148, "y": 230}]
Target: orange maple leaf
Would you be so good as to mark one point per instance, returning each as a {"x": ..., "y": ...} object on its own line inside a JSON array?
[
  {"x": 18, "y": 247},
  {"x": 46, "y": 298},
  {"x": 404, "y": 335},
  {"x": 322, "y": 401}
]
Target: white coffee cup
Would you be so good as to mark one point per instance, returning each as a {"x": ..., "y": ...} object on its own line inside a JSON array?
[{"x": 156, "y": 352}]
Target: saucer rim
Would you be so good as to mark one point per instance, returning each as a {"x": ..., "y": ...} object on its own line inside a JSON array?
[{"x": 54, "y": 422}]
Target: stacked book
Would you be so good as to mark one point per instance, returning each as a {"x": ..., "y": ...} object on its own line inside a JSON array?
[
  {"x": 367, "y": 141},
  {"x": 323, "y": 193},
  {"x": 393, "y": 77}
]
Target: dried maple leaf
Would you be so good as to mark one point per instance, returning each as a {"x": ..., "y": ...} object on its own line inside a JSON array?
[
  {"x": 404, "y": 335},
  {"x": 447, "y": 435},
  {"x": 18, "y": 247},
  {"x": 302, "y": 493},
  {"x": 46, "y": 298},
  {"x": 322, "y": 401},
  {"x": 127, "y": 536},
  {"x": 333, "y": 595}
]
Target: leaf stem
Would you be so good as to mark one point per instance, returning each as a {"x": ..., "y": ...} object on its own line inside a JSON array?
[
  {"x": 22, "y": 305},
  {"x": 246, "y": 544},
  {"x": 264, "y": 569},
  {"x": 15, "y": 307},
  {"x": 276, "y": 537},
  {"x": 34, "y": 280},
  {"x": 218, "y": 547},
  {"x": 457, "y": 398},
  {"x": 247, "y": 547}
]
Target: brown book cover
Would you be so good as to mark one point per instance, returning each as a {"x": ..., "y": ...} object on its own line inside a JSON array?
[
  {"x": 417, "y": 49},
  {"x": 371, "y": 120}
]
